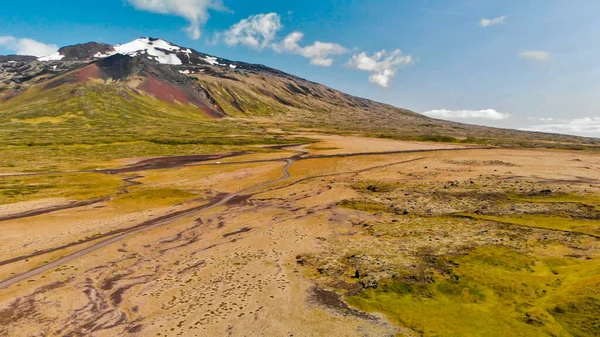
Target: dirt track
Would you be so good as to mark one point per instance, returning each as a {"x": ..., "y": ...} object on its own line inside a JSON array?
[
  {"x": 170, "y": 162},
  {"x": 150, "y": 225},
  {"x": 46, "y": 210},
  {"x": 178, "y": 161}
]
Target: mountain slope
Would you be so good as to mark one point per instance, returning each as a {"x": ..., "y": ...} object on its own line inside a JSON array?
[{"x": 178, "y": 79}]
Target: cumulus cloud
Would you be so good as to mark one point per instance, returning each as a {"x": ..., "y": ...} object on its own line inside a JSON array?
[
  {"x": 319, "y": 52},
  {"x": 588, "y": 126},
  {"x": 194, "y": 11},
  {"x": 257, "y": 31},
  {"x": 492, "y": 22},
  {"x": 26, "y": 46},
  {"x": 535, "y": 55},
  {"x": 490, "y": 114},
  {"x": 382, "y": 65}
]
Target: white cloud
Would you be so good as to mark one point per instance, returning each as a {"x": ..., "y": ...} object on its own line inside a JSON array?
[
  {"x": 549, "y": 119},
  {"x": 319, "y": 52},
  {"x": 290, "y": 43},
  {"x": 466, "y": 114},
  {"x": 27, "y": 46},
  {"x": 383, "y": 65},
  {"x": 6, "y": 40},
  {"x": 194, "y": 11},
  {"x": 535, "y": 55},
  {"x": 492, "y": 22},
  {"x": 588, "y": 126},
  {"x": 257, "y": 31}
]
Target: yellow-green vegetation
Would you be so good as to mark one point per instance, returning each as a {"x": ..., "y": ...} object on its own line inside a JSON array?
[
  {"x": 466, "y": 273},
  {"x": 416, "y": 226},
  {"x": 511, "y": 140},
  {"x": 147, "y": 198},
  {"x": 40, "y": 120},
  {"x": 550, "y": 221},
  {"x": 80, "y": 186},
  {"x": 62, "y": 157},
  {"x": 237, "y": 100},
  {"x": 95, "y": 103},
  {"x": 585, "y": 226},
  {"x": 83, "y": 126},
  {"x": 590, "y": 200},
  {"x": 495, "y": 291},
  {"x": 364, "y": 205},
  {"x": 321, "y": 148}
]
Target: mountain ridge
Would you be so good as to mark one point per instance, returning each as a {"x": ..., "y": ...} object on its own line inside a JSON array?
[{"x": 223, "y": 88}]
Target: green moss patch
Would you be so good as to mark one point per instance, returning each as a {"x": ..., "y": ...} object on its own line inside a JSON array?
[{"x": 493, "y": 291}]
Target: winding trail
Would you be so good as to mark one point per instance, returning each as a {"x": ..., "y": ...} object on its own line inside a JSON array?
[{"x": 157, "y": 223}]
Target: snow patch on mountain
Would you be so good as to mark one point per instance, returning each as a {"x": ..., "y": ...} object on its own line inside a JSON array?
[
  {"x": 52, "y": 57},
  {"x": 101, "y": 56},
  {"x": 155, "y": 48},
  {"x": 211, "y": 60},
  {"x": 158, "y": 50}
]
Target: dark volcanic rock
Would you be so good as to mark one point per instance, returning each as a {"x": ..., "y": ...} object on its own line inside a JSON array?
[
  {"x": 119, "y": 67},
  {"x": 85, "y": 51},
  {"x": 17, "y": 58}
]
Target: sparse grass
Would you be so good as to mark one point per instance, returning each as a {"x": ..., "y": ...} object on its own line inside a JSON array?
[
  {"x": 374, "y": 187},
  {"x": 512, "y": 139},
  {"x": 90, "y": 156},
  {"x": 589, "y": 200},
  {"x": 482, "y": 163},
  {"x": 590, "y": 227},
  {"x": 82, "y": 186},
  {"x": 364, "y": 206},
  {"x": 321, "y": 148},
  {"x": 147, "y": 198}
]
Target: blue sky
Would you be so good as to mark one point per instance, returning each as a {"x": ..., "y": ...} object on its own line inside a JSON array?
[{"x": 533, "y": 64}]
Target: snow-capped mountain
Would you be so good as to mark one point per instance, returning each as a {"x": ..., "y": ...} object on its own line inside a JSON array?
[
  {"x": 20, "y": 72},
  {"x": 157, "y": 50},
  {"x": 216, "y": 87}
]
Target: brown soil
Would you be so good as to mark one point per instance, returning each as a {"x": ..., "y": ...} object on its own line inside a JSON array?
[
  {"x": 169, "y": 162},
  {"x": 90, "y": 72},
  {"x": 332, "y": 300},
  {"x": 41, "y": 211},
  {"x": 230, "y": 267}
]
